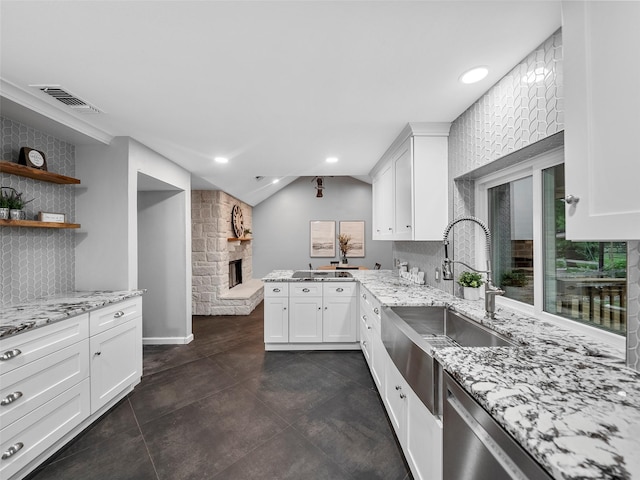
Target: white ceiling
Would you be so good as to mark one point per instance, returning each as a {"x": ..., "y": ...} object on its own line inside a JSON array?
[{"x": 274, "y": 86}]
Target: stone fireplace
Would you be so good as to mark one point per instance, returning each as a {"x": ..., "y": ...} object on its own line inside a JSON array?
[{"x": 222, "y": 282}]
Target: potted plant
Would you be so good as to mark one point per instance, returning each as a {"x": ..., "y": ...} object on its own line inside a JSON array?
[
  {"x": 15, "y": 203},
  {"x": 247, "y": 232},
  {"x": 4, "y": 205},
  {"x": 345, "y": 248},
  {"x": 471, "y": 283}
]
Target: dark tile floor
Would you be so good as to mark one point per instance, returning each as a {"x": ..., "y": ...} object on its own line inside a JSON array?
[{"x": 222, "y": 408}]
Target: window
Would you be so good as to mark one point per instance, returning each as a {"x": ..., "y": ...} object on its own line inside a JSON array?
[{"x": 535, "y": 264}]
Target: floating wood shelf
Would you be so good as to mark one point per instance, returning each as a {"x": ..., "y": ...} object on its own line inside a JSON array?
[
  {"x": 241, "y": 239},
  {"x": 36, "y": 224},
  {"x": 24, "y": 171}
]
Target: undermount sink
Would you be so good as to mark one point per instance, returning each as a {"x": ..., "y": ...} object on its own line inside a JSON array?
[
  {"x": 410, "y": 334},
  {"x": 319, "y": 274}
]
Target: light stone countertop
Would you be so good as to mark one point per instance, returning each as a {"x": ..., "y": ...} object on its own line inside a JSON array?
[
  {"x": 568, "y": 400},
  {"x": 15, "y": 319}
]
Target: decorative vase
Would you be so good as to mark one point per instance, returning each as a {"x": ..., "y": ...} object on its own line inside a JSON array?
[
  {"x": 17, "y": 214},
  {"x": 4, "y": 213},
  {"x": 471, "y": 293},
  {"x": 343, "y": 259}
]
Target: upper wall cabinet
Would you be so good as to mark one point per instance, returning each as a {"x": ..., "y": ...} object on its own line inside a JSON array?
[
  {"x": 601, "y": 42},
  {"x": 410, "y": 185}
]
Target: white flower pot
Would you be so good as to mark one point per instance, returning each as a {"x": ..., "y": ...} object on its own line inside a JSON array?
[{"x": 471, "y": 293}]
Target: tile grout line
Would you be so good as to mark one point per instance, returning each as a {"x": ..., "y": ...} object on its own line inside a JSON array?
[{"x": 135, "y": 417}]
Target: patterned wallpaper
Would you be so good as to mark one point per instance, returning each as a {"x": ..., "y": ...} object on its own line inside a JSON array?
[
  {"x": 37, "y": 262},
  {"x": 525, "y": 106}
]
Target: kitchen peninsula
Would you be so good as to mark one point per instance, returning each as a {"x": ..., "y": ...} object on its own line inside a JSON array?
[{"x": 567, "y": 400}]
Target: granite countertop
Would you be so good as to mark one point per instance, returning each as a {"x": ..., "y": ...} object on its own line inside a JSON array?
[
  {"x": 285, "y": 276},
  {"x": 15, "y": 319},
  {"x": 570, "y": 401}
]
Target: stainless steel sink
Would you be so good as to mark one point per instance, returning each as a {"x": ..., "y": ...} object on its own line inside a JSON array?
[{"x": 410, "y": 334}]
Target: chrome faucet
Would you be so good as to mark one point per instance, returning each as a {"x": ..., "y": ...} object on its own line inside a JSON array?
[{"x": 491, "y": 291}]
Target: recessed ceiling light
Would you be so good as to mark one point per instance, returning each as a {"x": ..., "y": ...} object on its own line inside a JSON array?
[
  {"x": 332, "y": 159},
  {"x": 275, "y": 181},
  {"x": 474, "y": 75},
  {"x": 221, "y": 160}
]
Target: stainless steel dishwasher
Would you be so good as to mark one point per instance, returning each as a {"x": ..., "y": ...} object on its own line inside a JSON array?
[{"x": 476, "y": 447}]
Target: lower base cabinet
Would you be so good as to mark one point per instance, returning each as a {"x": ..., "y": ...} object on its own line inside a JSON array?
[
  {"x": 56, "y": 380},
  {"x": 418, "y": 431}
]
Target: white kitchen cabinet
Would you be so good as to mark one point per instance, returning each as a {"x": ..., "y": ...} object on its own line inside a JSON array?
[
  {"x": 382, "y": 212},
  {"x": 340, "y": 316},
  {"x": 602, "y": 101},
  {"x": 311, "y": 315},
  {"x": 114, "y": 363},
  {"x": 276, "y": 313},
  {"x": 418, "y": 431},
  {"x": 305, "y": 312},
  {"x": 375, "y": 352},
  {"x": 410, "y": 193}
]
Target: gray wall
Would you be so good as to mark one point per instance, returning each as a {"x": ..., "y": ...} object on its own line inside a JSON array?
[
  {"x": 37, "y": 262},
  {"x": 161, "y": 238},
  {"x": 281, "y": 224}
]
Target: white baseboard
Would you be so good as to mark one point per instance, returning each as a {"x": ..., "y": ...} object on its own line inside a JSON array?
[
  {"x": 167, "y": 340},
  {"x": 274, "y": 347}
]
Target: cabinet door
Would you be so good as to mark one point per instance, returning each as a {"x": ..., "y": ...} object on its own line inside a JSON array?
[
  {"x": 115, "y": 361},
  {"x": 305, "y": 319},
  {"x": 602, "y": 101},
  {"x": 276, "y": 320},
  {"x": 403, "y": 192},
  {"x": 340, "y": 319},
  {"x": 382, "y": 191},
  {"x": 379, "y": 358},
  {"x": 423, "y": 449},
  {"x": 395, "y": 394}
]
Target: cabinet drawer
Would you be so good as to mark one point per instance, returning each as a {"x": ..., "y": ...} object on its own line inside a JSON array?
[
  {"x": 306, "y": 289},
  {"x": 341, "y": 289},
  {"x": 112, "y": 315},
  {"x": 21, "y": 349},
  {"x": 42, "y": 428},
  {"x": 36, "y": 383},
  {"x": 276, "y": 289}
]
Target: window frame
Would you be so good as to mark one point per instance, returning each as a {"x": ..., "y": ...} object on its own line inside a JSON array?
[{"x": 533, "y": 167}]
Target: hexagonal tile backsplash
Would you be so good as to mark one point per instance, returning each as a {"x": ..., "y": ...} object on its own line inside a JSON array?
[{"x": 37, "y": 262}]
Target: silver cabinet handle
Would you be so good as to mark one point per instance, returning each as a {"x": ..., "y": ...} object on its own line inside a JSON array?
[
  {"x": 368, "y": 327},
  {"x": 305, "y": 290},
  {"x": 364, "y": 343},
  {"x": 408, "y": 226},
  {"x": 571, "y": 199},
  {"x": 319, "y": 308},
  {"x": 284, "y": 308},
  {"x": 403, "y": 396},
  {"x": 12, "y": 450},
  {"x": 97, "y": 354},
  {"x": 340, "y": 289},
  {"x": 398, "y": 387},
  {"x": 276, "y": 290},
  {"x": 364, "y": 317},
  {"x": 376, "y": 311},
  {"x": 9, "y": 399},
  {"x": 118, "y": 314},
  {"x": 364, "y": 295},
  {"x": 9, "y": 354}
]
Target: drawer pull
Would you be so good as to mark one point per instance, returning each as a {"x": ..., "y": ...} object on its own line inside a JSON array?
[
  {"x": 340, "y": 289},
  {"x": 276, "y": 290},
  {"x": 12, "y": 450},
  {"x": 364, "y": 317},
  {"x": 364, "y": 295},
  {"x": 97, "y": 354},
  {"x": 305, "y": 290},
  {"x": 118, "y": 314},
  {"x": 8, "y": 355},
  {"x": 376, "y": 311},
  {"x": 9, "y": 399}
]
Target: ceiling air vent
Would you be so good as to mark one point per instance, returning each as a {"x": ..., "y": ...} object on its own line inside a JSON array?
[{"x": 67, "y": 98}]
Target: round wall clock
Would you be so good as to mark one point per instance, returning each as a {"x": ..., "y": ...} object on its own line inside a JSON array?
[
  {"x": 237, "y": 222},
  {"x": 32, "y": 158}
]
